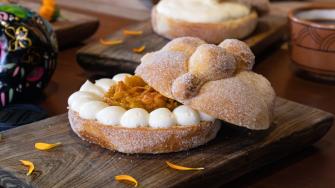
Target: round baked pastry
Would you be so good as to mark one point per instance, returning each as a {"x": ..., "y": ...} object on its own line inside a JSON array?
[
  {"x": 214, "y": 79},
  {"x": 174, "y": 101},
  {"x": 210, "y": 20},
  {"x": 131, "y": 117}
]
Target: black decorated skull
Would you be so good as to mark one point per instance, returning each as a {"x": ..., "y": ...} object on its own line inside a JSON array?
[{"x": 28, "y": 53}]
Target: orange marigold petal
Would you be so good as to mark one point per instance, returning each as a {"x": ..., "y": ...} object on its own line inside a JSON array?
[
  {"x": 46, "y": 12},
  {"x": 127, "y": 178},
  {"x": 47, "y": 9},
  {"x": 177, "y": 167},
  {"x": 111, "y": 42},
  {"x": 132, "y": 33},
  {"x": 46, "y": 146},
  {"x": 30, "y": 166},
  {"x": 139, "y": 49}
]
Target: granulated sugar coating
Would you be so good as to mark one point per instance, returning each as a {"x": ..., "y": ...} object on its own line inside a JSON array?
[
  {"x": 186, "y": 45},
  {"x": 217, "y": 82},
  {"x": 186, "y": 86},
  {"x": 245, "y": 104},
  {"x": 160, "y": 69},
  {"x": 210, "y": 62},
  {"x": 144, "y": 139},
  {"x": 243, "y": 55}
]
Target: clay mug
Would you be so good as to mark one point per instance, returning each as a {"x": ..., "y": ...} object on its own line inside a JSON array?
[{"x": 313, "y": 39}]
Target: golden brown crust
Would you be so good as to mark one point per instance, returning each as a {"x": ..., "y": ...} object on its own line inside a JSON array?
[
  {"x": 239, "y": 96},
  {"x": 172, "y": 65},
  {"x": 246, "y": 99},
  {"x": 244, "y": 57},
  {"x": 143, "y": 140},
  {"x": 186, "y": 86},
  {"x": 211, "y": 62},
  {"x": 186, "y": 45},
  {"x": 210, "y": 32}
]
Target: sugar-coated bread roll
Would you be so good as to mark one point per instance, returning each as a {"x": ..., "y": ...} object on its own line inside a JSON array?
[
  {"x": 90, "y": 109},
  {"x": 161, "y": 118},
  {"x": 186, "y": 45},
  {"x": 135, "y": 117},
  {"x": 217, "y": 81},
  {"x": 82, "y": 94},
  {"x": 90, "y": 87},
  {"x": 211, "y": 62},
  {"x": 186, "y": 86},
  {"x": 105, "y": 83},
  {"x": 245, "y": 59},
  {"x": 161, "y": 76},
  {"x": 110, "y": 115},
  {"x": 120, "y": 77},
  {"x": 186, "y": 116}
]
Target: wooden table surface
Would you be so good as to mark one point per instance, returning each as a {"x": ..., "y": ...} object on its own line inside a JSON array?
[{"x": 313, "y": 167}]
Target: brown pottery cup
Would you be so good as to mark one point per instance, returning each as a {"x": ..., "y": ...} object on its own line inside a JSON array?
[{"x": 313, "y": 39}]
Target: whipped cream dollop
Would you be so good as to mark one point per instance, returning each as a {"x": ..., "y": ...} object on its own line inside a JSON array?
[
  {"x": 82, "y": 94},
  {"x": 90, "y": 109},
  {"x": 162, "y": 118},
  {"x": 111, "y": 115},
  {"x": 105, "y": 83},
  {"x": 88, "y": 102},
  {"x": 135, "y": 117},
  {"x": 78, "y": 103},
  {"x": 186, "y": 116},
  {"x": 202, "y": 11},
  {"x": 92, "y": 88},
  {"x": 120, "y": 77}
]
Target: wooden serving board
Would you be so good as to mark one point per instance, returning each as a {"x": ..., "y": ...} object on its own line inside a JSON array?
[
  {"x": 105, "y": 60},
  {"x": 233, "y": 153},
  {"x": 71, "y": 27}
]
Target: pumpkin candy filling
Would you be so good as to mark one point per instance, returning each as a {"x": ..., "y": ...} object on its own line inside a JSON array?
[{"x": 133, "y": 92}]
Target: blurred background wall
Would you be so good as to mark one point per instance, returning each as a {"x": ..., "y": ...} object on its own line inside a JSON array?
[{"x": 133, "y": 9}]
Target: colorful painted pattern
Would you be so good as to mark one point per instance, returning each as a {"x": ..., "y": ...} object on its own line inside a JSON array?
[{"x": 28, "y": 53}]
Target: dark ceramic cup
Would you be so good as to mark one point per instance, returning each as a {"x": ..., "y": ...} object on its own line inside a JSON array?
[{"x": 313, "y": 39}]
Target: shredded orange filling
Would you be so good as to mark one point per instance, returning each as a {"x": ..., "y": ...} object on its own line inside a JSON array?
[
  {"x": 127, "y": 178},
  {"x": 132, "y": 33},
  {"x": 177, "y": 167},
  {"x": 111, "y": 42},
  {"x": 139, "y": 49},
  {"x": 30, "y": 166},
  {"x": 45, "y": 146},
  {"x": 133, "y": 92}
]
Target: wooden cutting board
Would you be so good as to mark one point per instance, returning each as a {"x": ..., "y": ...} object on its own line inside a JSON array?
[
  {"x": 72, "y": 27},
  {"x": 233, "y": 153},
  {"x": 106, "y": 60}
]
